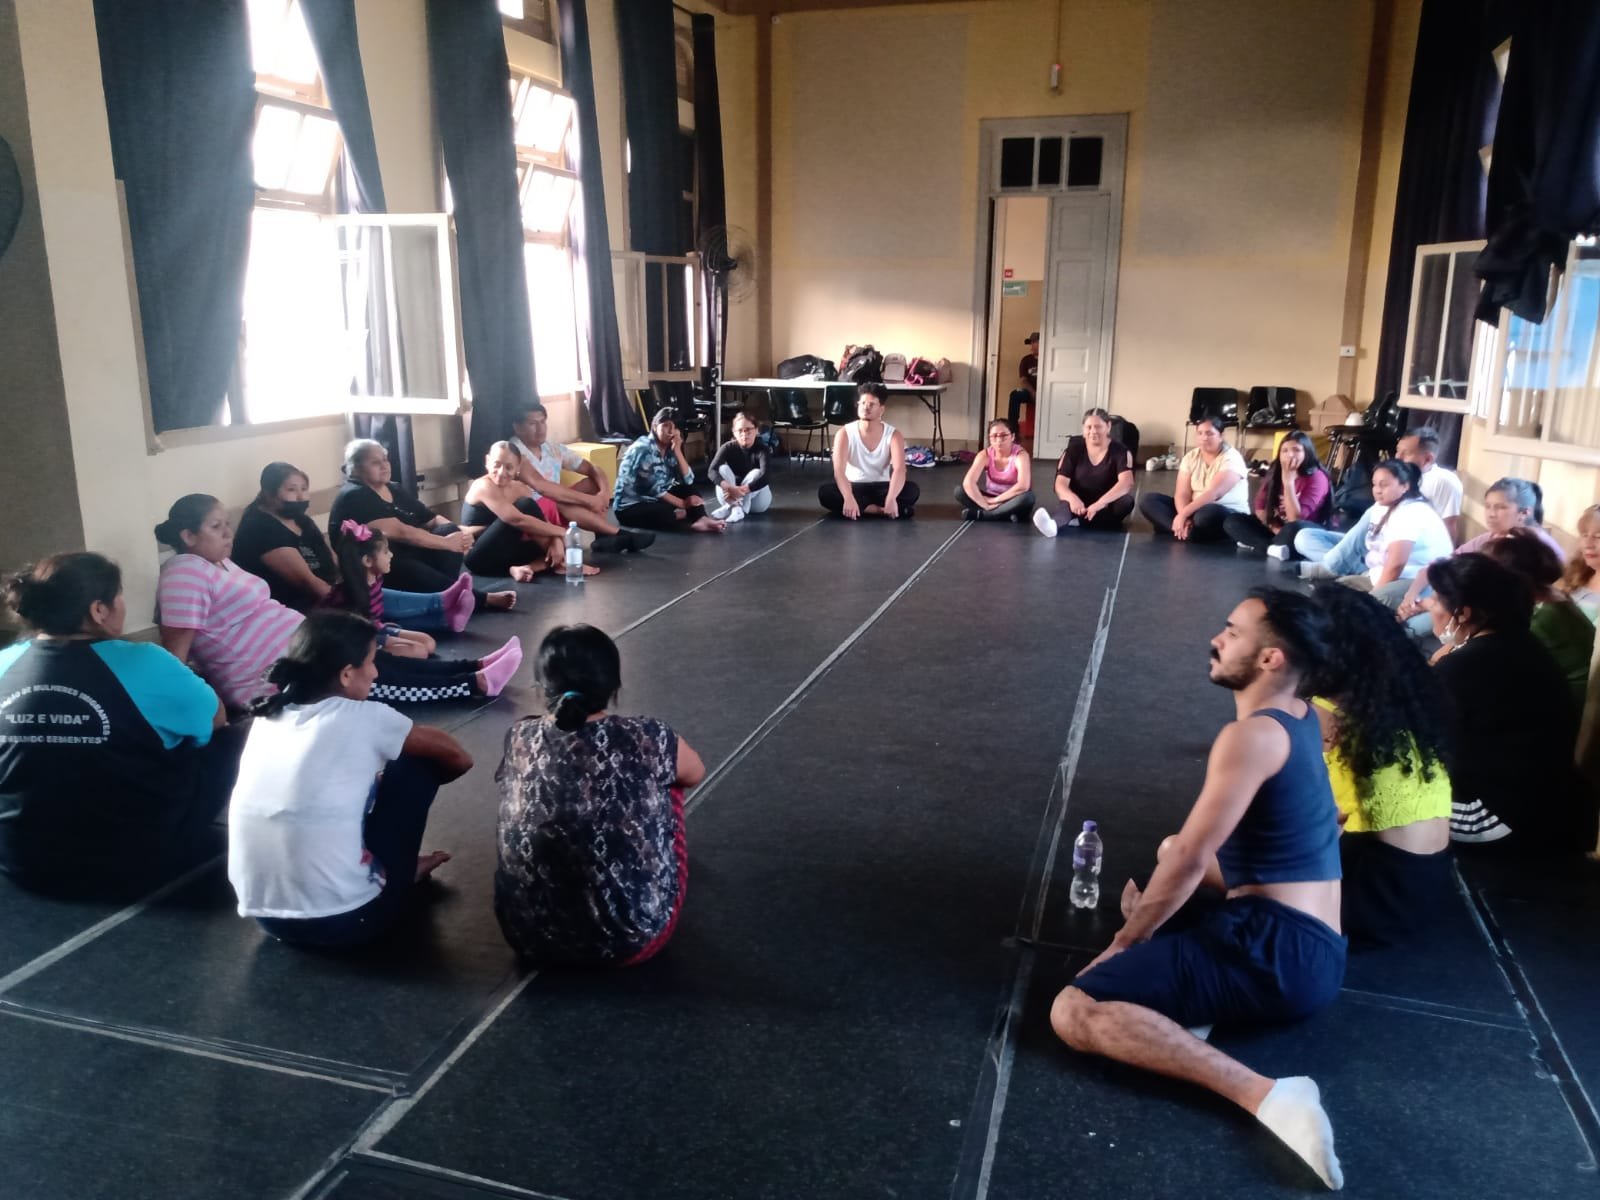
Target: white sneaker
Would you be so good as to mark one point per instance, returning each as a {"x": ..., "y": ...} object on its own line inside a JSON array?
[
  {"x": 1281, "y": 553},
  {"x": 1044, "y": 523}
]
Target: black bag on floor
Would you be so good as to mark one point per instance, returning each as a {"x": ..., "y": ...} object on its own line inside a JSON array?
[{"x": 806, "y": 366}]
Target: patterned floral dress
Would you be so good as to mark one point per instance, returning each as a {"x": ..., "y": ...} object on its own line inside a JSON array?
[{"x": 592, "y": 863}]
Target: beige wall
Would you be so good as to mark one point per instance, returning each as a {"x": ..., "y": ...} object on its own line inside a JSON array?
[{"x": 1244, "y": 139}]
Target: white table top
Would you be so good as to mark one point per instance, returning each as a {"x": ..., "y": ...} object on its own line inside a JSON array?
[{"x": 827, "y": 383}]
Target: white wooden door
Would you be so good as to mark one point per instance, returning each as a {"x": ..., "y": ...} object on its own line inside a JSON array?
[{"x": 1075, "y": 350}]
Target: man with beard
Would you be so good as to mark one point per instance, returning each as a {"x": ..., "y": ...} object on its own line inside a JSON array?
[{"x": 1264, "y": 836}]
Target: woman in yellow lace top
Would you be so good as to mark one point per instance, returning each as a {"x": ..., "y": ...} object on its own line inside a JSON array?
[{"x": 1383, "y": 722}]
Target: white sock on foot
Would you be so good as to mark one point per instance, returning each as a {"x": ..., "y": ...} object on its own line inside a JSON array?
[
  {"x": 1043, "y": 522},
  {"x": 1293, "y": 1111}
]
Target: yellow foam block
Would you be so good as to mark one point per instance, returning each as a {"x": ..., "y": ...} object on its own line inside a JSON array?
[{"x": 598, "y": 454}]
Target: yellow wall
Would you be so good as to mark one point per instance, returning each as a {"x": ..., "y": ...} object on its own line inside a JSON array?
[{"x": 1244, "y": 140}]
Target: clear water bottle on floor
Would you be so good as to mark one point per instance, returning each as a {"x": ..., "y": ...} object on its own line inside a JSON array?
[
  {"x": 574, "y": 553},
  {"x": 1086, "y": 855}
]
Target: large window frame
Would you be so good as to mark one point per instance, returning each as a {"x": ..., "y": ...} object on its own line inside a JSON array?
[
  {"x": 1543, "y": 381},
  {"x": 544, "y": 124},
  {"x": 1444, "y": 296}
]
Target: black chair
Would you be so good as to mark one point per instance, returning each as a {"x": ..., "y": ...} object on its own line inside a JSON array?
[
  {"x": 791, "y": 409},
  {"x": 839, "y": 404},
  {"x": 1205, "y": 402},
  {"x": 1271, "y": 408},
  {"x": 1126, "y": 433}
]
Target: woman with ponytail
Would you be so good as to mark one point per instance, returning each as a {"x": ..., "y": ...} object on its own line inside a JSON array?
[
  {"x": 223, "y": 619},
  {"x": 113, "y": 756},
  {"x": 326, "y": 823},
  {"x": 592, "y": 861}
]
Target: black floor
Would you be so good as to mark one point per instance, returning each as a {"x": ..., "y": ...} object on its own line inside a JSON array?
[{"x": 899, "y": 720}]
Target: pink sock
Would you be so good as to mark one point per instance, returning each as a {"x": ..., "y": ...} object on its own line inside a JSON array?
[
  {"x": 463, "y": 583},
  {"x": 495, "y": 656},
  {"x": 458, "y": 608},
  {"x": 498, "y": 673}
]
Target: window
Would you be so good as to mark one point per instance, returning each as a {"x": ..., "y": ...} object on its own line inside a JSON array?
[
  {"x": 532, "y": 17},
  {"x": 293, "y": 339},
  {"x": 1442, "y": 343},
  {"x": 542, "y": 120},
  {"x": 341, "y": 312},
  {"x": 1035, "y": 163},
  {"x": 1543, "y": 394}
]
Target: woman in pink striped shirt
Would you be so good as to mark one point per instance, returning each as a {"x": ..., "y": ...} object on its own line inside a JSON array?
[{"x": 223, "y": 619}]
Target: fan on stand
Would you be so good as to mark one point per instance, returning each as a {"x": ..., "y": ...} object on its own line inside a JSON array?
[{"x": 728, "y": 257}]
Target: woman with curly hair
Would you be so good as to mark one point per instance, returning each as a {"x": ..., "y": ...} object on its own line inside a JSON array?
[{"x": 1384, "y": 729}]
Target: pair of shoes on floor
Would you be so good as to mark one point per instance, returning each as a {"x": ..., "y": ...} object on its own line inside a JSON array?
[{"x": 1044, "y": 523}]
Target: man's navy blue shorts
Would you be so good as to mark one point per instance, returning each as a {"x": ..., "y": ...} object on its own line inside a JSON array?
[{"x": 1250, "y": 961}]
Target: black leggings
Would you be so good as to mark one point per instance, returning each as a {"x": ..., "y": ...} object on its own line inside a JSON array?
[
  {"x": 1250, "y": 530},
  {"x": 832, "y": 498},
  {"x": 1110, "y": 517},
  {"x": 1205, "y": 523},
  {"x": 501, "y": 546},
  {"x": 658, "y": 514},
  {"x": 1019, "y": 506},
  {"x": 423, "y": 568},
  {"x": 393, "y": 833},
  {"x": 418, "y": 680}
]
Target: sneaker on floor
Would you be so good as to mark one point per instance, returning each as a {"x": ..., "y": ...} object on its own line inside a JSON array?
[
  {"x": 635, "y": 540},
  {"x": 967, "y": 514},
  {"x": 1044, "y": 523},
  {"x": 1281, "y": 553},
  {"x": 608, "y": 543}
]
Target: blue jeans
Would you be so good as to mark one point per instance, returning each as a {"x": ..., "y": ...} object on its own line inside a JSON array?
[{"x": 415, "y": 610}]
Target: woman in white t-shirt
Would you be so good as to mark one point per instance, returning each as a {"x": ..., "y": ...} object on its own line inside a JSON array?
[
  {"x": 1211, "y": 486},
  {"x": 1394, "y": 539},
  {"x": 326, "y": 820}
]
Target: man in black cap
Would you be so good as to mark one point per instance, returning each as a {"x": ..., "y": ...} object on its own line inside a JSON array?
[
  {"x": 1027, "y": 389},
  {"x": 654, "y": 483}
]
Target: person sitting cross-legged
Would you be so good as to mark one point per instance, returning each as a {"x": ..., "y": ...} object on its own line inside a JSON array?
[
  {"x": 998, "y": 485},
  {"x": 1264, "y": 832},
  {"x": 739, "y": 471},
  {"x": 1211, "y": 485},
  {"x": 655, "y": 483},
  {"x": 1094, "y": 480},
  {"x": 869, "y": 464}
]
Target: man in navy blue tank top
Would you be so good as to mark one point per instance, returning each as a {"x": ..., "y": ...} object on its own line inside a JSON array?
[{"x": 1264, "y": 833}]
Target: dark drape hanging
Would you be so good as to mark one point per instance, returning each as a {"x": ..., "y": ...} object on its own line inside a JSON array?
[
  {"x": 645, "y": 39},
  {"x": 332, "y": 25},
  {"x": 657, "y": 171},
  {"x": 710, "y": 186},
  {"x": 1455, "y": 90},
  {"x": 1544, "y": 182},
  {"x": 472, "y": 107},
  {"x": 610, "y": 409},
  {"x": 180, "y": 105}
]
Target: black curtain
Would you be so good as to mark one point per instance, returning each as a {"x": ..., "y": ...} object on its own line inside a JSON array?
[
  {"x": 610, "y": 409},
  {"x": 332, "y": 24},
  {"x": 1544, "y": 183},
  {"x": 657, "y": 172},
  {"x": 710, "y": 188},
  {"x": 472, "y": 107},
  {"x": 180, "y": 104},
  {"x": 1455, "y": 91}
]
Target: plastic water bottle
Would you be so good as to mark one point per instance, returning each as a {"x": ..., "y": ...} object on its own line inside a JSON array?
[
  {"x": 1086, "y": 855},
  {"x": 574, "y": 553}
]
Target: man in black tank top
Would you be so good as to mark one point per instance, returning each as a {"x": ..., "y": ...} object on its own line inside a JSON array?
[{"x": 1264, "y": 834}]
